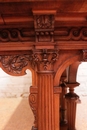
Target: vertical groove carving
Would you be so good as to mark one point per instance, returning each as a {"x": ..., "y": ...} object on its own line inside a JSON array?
[
  {"x": 71, "y": 121},
  {"x": 71, "y": 99},
  {"x": 45, "y": 102}
]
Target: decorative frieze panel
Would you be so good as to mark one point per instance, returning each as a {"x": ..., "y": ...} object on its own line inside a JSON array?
[
  {"x": 44, "y": 25},
  {"x": 44, "y": 32}
]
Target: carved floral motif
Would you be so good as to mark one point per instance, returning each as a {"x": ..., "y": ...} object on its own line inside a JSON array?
[{"x": 14, "y": 63}]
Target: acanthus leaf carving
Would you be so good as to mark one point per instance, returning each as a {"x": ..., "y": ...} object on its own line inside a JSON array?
[{"x": 45, "y": 59}]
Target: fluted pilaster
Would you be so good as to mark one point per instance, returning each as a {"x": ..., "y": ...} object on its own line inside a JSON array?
[{"x": 71, "y": 110}]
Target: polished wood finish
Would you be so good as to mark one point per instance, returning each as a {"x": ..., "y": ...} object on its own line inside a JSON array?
[{"x": 49, "y": 37}]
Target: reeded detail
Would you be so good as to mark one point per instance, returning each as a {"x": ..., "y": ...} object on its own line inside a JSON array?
[{"x": 71, "y": 114}]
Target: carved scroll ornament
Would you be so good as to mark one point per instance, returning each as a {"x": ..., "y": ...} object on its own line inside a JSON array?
[
  {"x": 16, "y": 34},
  {"x": 71, "y": 34}
]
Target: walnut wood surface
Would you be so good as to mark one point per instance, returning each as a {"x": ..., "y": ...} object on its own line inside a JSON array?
[{"x": 49, "y": 37}]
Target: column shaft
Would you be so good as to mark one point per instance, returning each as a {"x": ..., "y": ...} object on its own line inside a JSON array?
[{"x": 45, "y": 102}]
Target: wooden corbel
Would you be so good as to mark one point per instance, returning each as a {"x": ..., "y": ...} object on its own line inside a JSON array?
[{"x": 44, "y": 25}]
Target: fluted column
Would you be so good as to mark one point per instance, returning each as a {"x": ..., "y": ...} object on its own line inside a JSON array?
[
  {"x": 45, "y": 99},
  {"x": 71, "y": 99},
  {"x": 46, "y": 104}
]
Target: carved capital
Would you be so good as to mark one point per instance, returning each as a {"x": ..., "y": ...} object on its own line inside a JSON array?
[
  {"x": 44, "y": 59},
  {"x": 44, "y": 25}
]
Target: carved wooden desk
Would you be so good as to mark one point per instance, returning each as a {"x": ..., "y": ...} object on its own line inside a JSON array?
[{"x": 49, "y": 38}]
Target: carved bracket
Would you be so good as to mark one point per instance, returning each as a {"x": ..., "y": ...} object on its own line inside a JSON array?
[
  {"x": 44, "y": 25},
  {"x": 33, "y": 102}
]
